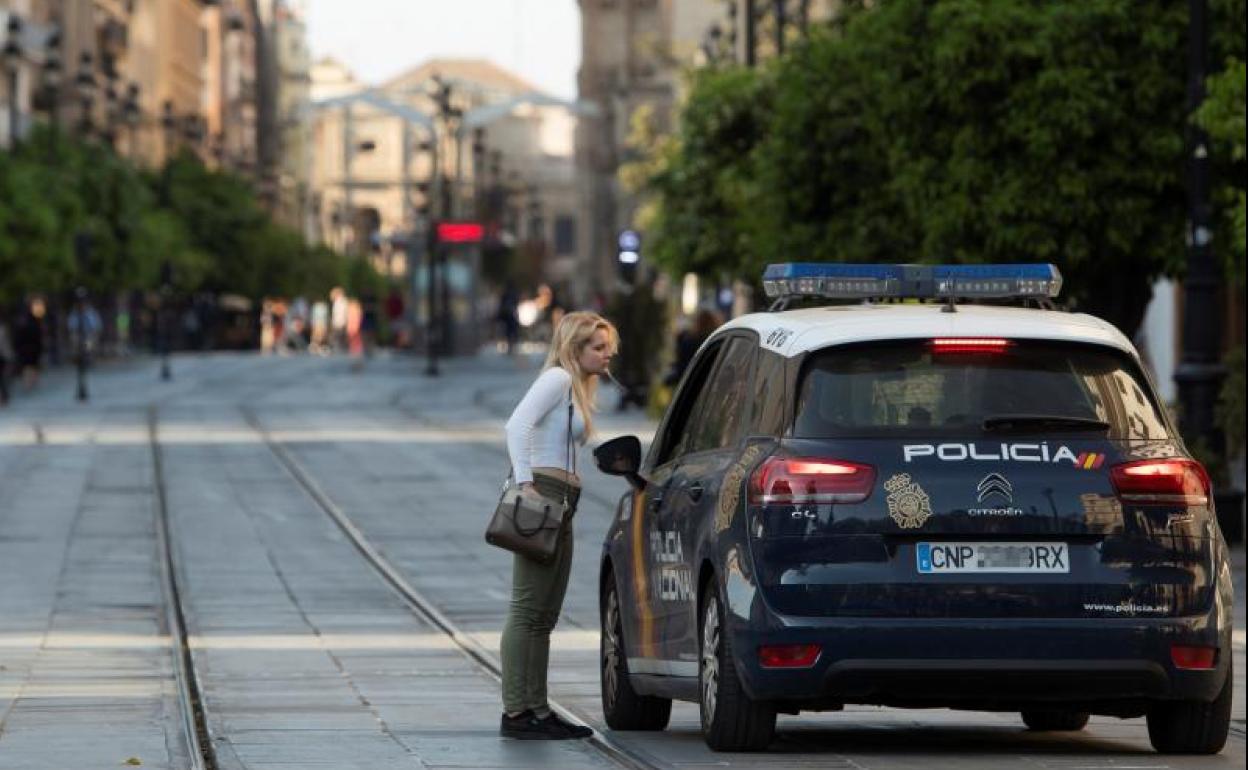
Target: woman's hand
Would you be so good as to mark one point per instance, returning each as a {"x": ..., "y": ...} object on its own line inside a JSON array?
[{"x": 526, "y": 486}]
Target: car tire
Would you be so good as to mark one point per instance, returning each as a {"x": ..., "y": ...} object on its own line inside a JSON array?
[
  {"x": 622, "y": 707},
  {"x": 731, "y": 719},
  {"x": 1192, "y": 727},
  {"x": 1055, "y": 720}
]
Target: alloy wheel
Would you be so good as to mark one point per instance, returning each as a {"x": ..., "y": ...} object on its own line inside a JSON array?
[
  {"x": 710, "y": 660},
  {"x": 611, "y": 647}
]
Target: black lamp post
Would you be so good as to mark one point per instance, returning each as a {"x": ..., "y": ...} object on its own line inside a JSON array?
[
  {"x": 51, "y": 76},
  {"x": 168, "y": 125},
  {"x": 82, "y": 256},
  {"x": 131, "y": 115},
  {"x": 166, "y": 291},
  {"x": 1199, "y": 374},
  {"x": 13, "y": 56},
  {"x": 85, "y": 81}
]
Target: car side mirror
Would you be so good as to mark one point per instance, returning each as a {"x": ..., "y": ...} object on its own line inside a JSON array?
[{"x": 621, "y": 457}]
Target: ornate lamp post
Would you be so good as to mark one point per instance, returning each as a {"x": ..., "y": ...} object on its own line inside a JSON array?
[
  {"x": 131, "y": 116},
  {"x": 51, "y": 77},
  {"x": 85, "y": 82},
  {"x": 14, "y": 56}
]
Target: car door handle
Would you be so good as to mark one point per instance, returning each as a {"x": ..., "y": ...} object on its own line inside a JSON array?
[{"x": 695, "y": 492}]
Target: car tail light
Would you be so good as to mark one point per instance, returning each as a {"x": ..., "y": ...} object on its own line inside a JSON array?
[
  {"x": 788, "y": 655},
  {"x": 791, "y": 480},
  {"x": 1198, "y": 658},
  {"x": 969, "y": 345},
  {"x": 1174, "y": 480}
]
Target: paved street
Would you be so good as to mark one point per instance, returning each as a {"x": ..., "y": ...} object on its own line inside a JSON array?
[{"x": 304, "y": 656}]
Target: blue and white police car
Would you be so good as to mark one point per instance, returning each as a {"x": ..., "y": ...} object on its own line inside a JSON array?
[{"x": 950, "y": 494}]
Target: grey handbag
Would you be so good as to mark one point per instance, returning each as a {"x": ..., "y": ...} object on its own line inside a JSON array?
[{"x": 531, "y": 525}]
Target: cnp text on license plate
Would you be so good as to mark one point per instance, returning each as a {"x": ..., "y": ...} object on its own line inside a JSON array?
[{"x": 937, "y": 558}]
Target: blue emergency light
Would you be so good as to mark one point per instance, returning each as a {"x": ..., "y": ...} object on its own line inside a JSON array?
[{"x": 945, "y": 282}]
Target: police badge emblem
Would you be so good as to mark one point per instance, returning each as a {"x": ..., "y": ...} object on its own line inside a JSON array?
[{"x": 908, "y": 504}]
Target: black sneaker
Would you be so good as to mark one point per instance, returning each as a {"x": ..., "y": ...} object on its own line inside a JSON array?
[
  {"x": 525, "y": 726},
  {"x": 572, "y": 731}
]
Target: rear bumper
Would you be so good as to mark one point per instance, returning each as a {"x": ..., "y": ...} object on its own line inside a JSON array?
[{"x": 1106, "y": 665}]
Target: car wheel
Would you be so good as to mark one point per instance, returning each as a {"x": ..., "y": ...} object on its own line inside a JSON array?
[
  {"x": 1191, "y": 727},
  {"x": 731, "y": 720},
  {"x": 623, "y": 708},
  {"x": 1055, "y": 721}
]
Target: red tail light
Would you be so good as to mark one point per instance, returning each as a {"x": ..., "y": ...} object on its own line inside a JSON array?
[
  {"x": 1174, "y": 480},
  {"x": 969, "y": 345},
  {"x": 788, "y": 655},
  {"x": 1183, "y": 656},
  {"x": 790, "y": 480}
]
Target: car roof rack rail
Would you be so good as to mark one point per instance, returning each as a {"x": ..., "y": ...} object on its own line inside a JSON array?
[{"x": 1029, "y": 283}]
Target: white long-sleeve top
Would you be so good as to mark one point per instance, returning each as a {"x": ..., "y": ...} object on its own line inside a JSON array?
[{"x": 537, "y": 431}]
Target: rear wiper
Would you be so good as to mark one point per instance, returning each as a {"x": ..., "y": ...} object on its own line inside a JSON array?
[{"x": 1008, "y": 422}]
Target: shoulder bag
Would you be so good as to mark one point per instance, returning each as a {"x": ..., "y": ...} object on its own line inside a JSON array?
[{"x": 531, "y": 524}]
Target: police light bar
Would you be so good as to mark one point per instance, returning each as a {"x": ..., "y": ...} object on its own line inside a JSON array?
[{"x": 845, "y": 281}]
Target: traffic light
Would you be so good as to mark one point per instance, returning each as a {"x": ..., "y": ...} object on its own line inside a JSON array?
[{"x": 628, "y": 255}]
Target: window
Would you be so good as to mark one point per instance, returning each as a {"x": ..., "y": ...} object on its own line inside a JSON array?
[
  {"x": 674, "y": 433},
  {"x": 769, "y": 395},
  {"x": 723, "y": 409},
  {"x": 904, "y": 388},
  {"x": 565, "y": 235}
]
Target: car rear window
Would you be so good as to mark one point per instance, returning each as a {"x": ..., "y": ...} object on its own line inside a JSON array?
[{"x": 905, "y": 388}]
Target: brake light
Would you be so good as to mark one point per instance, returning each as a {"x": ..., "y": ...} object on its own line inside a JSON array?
[
  {"x": 1174, "y": 480},
  {"x": 1199, "y": 658},
  {"x": 792, "y": 480},
  {"x": 788, "y": 655},
  {"x": 969, "y": 345}
]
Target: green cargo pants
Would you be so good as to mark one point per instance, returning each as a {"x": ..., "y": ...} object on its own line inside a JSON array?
[{"x": 537, "y": 592}]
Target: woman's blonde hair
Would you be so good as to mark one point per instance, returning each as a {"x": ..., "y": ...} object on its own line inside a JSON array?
[{"x": 574, "y": 332}]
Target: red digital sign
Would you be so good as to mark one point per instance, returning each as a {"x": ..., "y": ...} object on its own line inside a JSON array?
[{"x": 461, "y": 232}]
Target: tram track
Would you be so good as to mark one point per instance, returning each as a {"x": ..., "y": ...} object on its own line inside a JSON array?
[
  {"x": 420, "y": 605},
  {"x": 189, "y": 689}
]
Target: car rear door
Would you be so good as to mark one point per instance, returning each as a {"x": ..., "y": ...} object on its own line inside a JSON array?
[
  {"x": 713, "y": 440},
  {"x": 655, "y": 563}
]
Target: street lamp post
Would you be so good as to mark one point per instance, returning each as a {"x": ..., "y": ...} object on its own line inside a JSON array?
[
  {"x": 166, "y": 290},
  {"x": 13, "y": 55},
  {"x": 51, "y": 77},
  {"x": 1200, "y": 372},
  {"x": 82, "y": 256},
  {"x": 86, "y": 90}
]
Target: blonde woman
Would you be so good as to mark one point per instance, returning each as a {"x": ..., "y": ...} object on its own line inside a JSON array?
[{"x": 537, "y": 440}]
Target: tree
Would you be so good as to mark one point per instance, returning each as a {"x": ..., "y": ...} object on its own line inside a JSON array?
[
  {"x": 701, "y": 178},
  {"x": 947, "y": 131}
]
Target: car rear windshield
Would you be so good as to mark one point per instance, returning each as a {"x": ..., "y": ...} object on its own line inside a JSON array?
[{"x": 906, "y": 388}]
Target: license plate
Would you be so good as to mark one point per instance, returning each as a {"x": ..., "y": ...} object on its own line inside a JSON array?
[{"x": 1041, "y": 558}]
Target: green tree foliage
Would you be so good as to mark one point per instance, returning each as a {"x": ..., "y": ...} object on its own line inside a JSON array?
[
  {"x": 947, "y": 131},
  {"x": 702, "y": 179},
  {"x": 208, "y": 225},
  {"x": 1222, "y": 116}
]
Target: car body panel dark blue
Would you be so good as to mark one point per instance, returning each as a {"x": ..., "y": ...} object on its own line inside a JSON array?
[{"x": 853, "y": 587}]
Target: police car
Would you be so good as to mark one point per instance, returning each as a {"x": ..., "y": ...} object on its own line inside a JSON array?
[{"x": 950, "y": 494}]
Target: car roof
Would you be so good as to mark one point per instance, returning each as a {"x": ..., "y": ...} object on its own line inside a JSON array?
[{"x": 793, "y": 332}]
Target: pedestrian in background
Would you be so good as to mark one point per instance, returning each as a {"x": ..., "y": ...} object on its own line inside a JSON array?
[
  {"x": 544, "y": 463},
  {"x": 7, "y": 357},
  {"x": 509, "y": 316},
  {"x": 29, "y": 343},
  {"x": 338, "y": 307},
  {"x": 688, "y": 341}
]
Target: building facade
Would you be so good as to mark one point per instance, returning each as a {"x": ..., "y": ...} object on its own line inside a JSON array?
[{"x": 387, "y": 159}]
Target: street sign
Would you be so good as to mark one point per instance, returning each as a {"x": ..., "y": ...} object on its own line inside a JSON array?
[{"x": 461, "y": 232}]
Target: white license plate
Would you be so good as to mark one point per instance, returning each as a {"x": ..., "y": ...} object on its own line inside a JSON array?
[{"x": 1043, "y": 558}]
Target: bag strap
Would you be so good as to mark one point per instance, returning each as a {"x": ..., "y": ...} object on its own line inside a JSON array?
[{"x": 570, "y": 464}]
